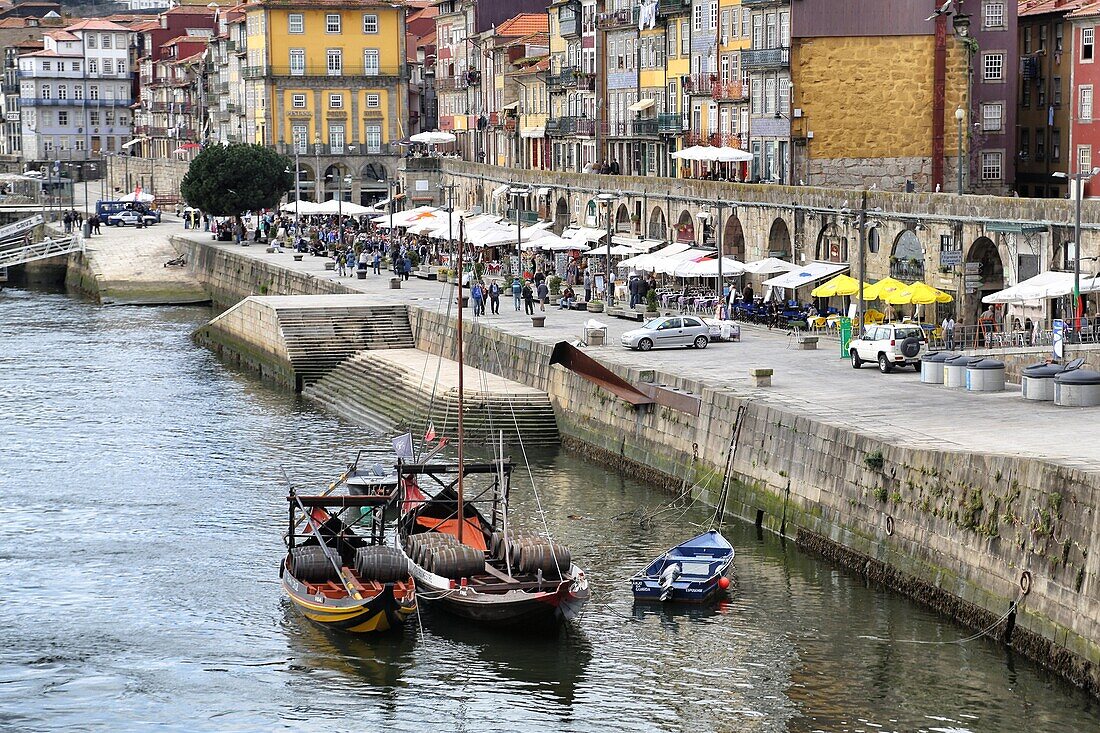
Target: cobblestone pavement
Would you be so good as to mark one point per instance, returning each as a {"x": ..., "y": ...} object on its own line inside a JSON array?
[{"x": 821, "y": 384}]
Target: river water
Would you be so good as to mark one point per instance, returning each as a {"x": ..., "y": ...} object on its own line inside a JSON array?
[{"x": 142, "y": 507}]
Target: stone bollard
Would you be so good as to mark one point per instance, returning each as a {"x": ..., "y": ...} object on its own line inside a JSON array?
[
  {"x": 538, "y": 321},
  {"x": 761, "y": 377},
  {"x": 298, "y": 257},
  {"x": 395, "y": 283},
  {"x": 361, "y": 274},
  {"x": 808, "y": 343}
]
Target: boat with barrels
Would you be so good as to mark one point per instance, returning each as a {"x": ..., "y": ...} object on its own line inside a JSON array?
[{"x": 338, "y": 570}]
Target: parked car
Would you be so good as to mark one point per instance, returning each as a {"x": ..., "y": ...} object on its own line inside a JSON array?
[
  {"x": 890, "y": 345},
  {"x": 130, "y": 217},
  {"x": 669, "y": 331}
]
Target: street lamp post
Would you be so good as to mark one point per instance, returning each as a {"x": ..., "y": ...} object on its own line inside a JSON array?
[
  {"x": 609, "y": 199},
  {"x": 450, "y": 189},
  {"x": 518, "y": 193},
  {"x": 1079, "y": 178},
  {"x": 705, "y": 216},
  {"x": 960, "y": 115}
]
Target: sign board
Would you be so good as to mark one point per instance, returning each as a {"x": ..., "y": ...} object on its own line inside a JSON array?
[
  {"x": 1058, "y": 327},
  {"x": 972, "y": 280},
  {"x": 845, "y": 336},
  {"x": 951, "y": 257},
  {"x": 972, "y": 268},
  {"x": 970, "y": 291},
  {"x": 23, "y": 225}
]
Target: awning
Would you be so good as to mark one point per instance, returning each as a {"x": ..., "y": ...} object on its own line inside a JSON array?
[
  {"x": 1042, "y": 286},
  {"x": 648, "y": 261},
  {"x": 511, "y": 106},
  {"x": 770, "y": 266},
  {"x": 544, "y": 191},
  {"x": 640, "y": 105},
  {"x": 499, "y": 191},
  {"x": 532, "y": 132},
  {"x": 585, "y": 234},
  {"x": 807, "y": 275}
]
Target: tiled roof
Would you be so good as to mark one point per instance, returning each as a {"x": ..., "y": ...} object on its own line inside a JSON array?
[
  {"x": 427, "y": 40},
  {"x": 1029, "y": 8},
  {"x": 95, "y": 24},
  {"x": 62, "y": 36},
  {"x": 524, "y": 24},
  {"x": 1088, "y": 11}
]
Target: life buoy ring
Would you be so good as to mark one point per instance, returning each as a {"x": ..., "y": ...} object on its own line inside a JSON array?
[
  {"x": 1025, "y": 582},
  {"x": 889, "y": 525}
]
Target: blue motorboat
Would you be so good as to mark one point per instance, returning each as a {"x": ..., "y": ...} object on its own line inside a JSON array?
[{"x": 691, "y": 572}]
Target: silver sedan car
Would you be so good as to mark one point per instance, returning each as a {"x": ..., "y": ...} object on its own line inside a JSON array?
[{"x": 669, "y": 331}]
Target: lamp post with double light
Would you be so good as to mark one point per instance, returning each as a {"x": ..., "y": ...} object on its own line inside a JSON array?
[
  {"x": 608, "y": 199},
  {"x": 518, "y": 192}
]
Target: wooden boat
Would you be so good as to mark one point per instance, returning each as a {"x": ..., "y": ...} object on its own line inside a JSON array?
[
  {"x": 472, "y": 565},
  {"x": 691, "y": 572},
  {"x": 338, "y": 570},
  {"x": 481, "y": 573}
]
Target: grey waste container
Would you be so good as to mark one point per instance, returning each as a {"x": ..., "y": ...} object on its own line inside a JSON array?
[
  {"x": 1037, "y": 381},
  {"x": 1077, "y": 388},
  {"x": 931, "y": 366},
  {"x": 954, "y": 371},
  {"x": 985, "y": 375}
]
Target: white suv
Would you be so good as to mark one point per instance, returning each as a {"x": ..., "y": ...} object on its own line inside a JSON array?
[{"x": 890, "y": 344}]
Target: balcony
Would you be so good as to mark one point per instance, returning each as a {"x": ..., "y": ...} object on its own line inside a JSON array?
[
  {"x": 525, "y": 216},
  {"x": 566, "y": 126},
  {"x": 765, "y": 58},
  {"x": 714, "y": 139},
  {"x": 670, "y": 124},
  {"x": 630, "y": 128},
  {"x": 617, "y": 19},
  {"x": 673, "y": 7},
  {"x": 729, "y": 91},
  {"x": 347, "y": 70},
  {"x": 79, "y": 103},
  {"x": 700, "y": 84}
]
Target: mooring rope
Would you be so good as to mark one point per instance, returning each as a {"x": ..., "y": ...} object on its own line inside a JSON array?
[{"x": 1012, "y": 607}]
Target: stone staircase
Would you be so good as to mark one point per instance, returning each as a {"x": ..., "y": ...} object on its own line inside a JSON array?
[
  {"x": 385, "y": 390},
  {"x": 317, "y": 339}
]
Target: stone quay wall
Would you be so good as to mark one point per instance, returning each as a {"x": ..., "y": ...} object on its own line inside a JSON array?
[{"x": 964, "y": 533}]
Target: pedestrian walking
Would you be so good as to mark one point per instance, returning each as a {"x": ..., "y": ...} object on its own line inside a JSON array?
[
  {"x": 544, "y": 295},
  {"x": 341, "y": 265},
  {"x": 517, "y": 291},
  {"x": 477, "y": 297},
  {"x": 528, "y": 299},
  {"x": 494, "y": 298},
  {"x": 948, "y": 327},
  {"x": 377, "y": 263}
]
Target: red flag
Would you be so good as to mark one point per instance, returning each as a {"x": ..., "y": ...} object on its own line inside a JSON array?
[{"x": 430, "y": 435}]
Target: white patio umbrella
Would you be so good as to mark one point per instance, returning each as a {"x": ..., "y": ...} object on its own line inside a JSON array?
[
  {"x": 303, "y": 207},
  {"x": 142, "y": 197},
  {"x": 695, "y": 152},
  {"x": 770, "y": 266},
  {"x": 668, "y": 264},
  {"x": 434, "y": 137},
  {"x": 347, "y": 208},
  {"x": 709, "y": 268},
  {"x": 732, "y": 155}
]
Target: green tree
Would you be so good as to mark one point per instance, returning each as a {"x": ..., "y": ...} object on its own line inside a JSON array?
[{"x": 227, "y": 180}]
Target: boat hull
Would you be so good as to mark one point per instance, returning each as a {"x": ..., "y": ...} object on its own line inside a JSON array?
[
  {"x": 381, "y": 612},
  {"x": 544, "y": 611},
  {"x": 647, "y": 590},
  {"x": 701, "y": 563}
]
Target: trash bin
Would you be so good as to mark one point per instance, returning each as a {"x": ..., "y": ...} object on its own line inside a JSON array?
[
  {"x": 954, "y": 371},
  {"x": 86, "y": 229},
  {"x": 1037, "y": 381},
  {"x": 931, "y": 366},
  {"x": 1077, "y": 388},
  {"x": 985, "y": 375},
  {"x": 594, "y": 333}
]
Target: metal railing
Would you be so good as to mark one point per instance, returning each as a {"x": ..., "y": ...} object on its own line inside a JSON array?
[
  {"x": 670, "y": 123},
  {"x": 21, "y": 254},
  {"x": 765, "y": 58},
  {"x": 671, "y": 7},
  {"x": 354, "y": 69},
  {"x": 92, "y": 103},
  {"x": 729, "y": 90},
  {"x": 618, "y": 18}
]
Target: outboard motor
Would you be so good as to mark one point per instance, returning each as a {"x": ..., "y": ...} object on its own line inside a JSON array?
[{"x": 668, "y": 577}]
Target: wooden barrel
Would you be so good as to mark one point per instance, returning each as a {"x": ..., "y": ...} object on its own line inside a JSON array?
[
  {"x": 384, "y": 564},
  {"x": 457, "y": 562},
  {"x": 551, "y": 559}
]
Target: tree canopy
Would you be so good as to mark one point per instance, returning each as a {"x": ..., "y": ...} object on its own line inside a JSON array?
[{"x": 227, "y": 180}]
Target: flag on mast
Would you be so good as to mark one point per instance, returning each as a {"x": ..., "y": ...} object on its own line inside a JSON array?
[{"x": 429, "y": 436}]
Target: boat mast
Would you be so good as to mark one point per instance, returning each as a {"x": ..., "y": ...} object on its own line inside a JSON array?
[{"x": 461, "y": 464}]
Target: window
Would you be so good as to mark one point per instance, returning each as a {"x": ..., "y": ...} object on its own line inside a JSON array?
[
  {"x": 374, "y": 138},
  {"x": 994, "y": 15},
  {"x": 1084, "y": 103},
  {"x": 296, "y": 23},
  {"x": 93, "y": 117},
  {"x": 991, "y": 165},
  {"x": 47, "y": 66},
  {"x": 993, "y": 64},
  {"x": 1040, "y": 143},
  {"x": 672, "y": 99},
  {"x": 714, "y": 15},
  {"x": 1088, "y": 40},
  {"x": 93, "y": 91},
  {"x": 121, "y": 68},
  {"x": 78, "y": 92},
  {"x": 1084, "y": 158},
  {"x": 370, "y": 23},
  {"x": 685, "y": 40},
  {"x": 746, "y": 18},
  {"x": 374, "y": 101},
  {"x": 332, "y": 23},
  {"x": 298, "y": 101},
  {"x": 335, "y": 62},
  {"x": 105, "y": 41},
  {"x": 301, "y": 138},
  {"x": 1024, "y": 144},
  {"x": 992, "y": 117},
  {"x": 336, "y": 101},
  {"x": 108, "y": 67},
  {"x": 1057, "y": 84},
  {"x": 1055, "y": 144},
  {"x": 63, "y": 119},
  {"x": 297, "y": 61},
  {"x": 672, "y": 39},
  {"x": 1059, "y": 36},
  {"x": 62, "y": 91},
  {"x": 46, "y": 91},
  {"x": 697, "y": 16},
  {"x": 370, "y": 62},
  {"x": 93, "y": 66},
  {"x": 336, "y": 139},
  {"x": 47, "y": 145},
  {"x": 1027, "y": 40},
  {"x": 89, "y": 40}
]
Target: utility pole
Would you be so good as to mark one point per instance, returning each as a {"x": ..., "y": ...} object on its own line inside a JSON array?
[{"x": 861, "y": 274}]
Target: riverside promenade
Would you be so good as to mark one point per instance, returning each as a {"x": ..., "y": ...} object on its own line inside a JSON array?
[{"x": 895, "y": 408}]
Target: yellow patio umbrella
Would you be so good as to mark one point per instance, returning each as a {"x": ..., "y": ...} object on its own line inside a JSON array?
[
  {"x": 879, "y": 290},
  {"x": 917, "y": 294},
  {"x": 841, "y": 285}
]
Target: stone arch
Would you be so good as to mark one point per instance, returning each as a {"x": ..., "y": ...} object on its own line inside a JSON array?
[
  {"x": 333, "y": 182},
  {"x": 987, "y": 256},
  {"x": 779, "y": 240},
  {"x": 685, "y": 227},
  {"x": 561, "y": 215},
  {"x": 658, "y": 228},
  {"x": 622, "y": 220},
  {"x": 832, "y": 245},
  {"x": 591, "y": 213},
  {"x": 907, "y": 257},
  {"x": 733, "y": 238},
  {"x": 375, "y": 173},
  {"x": 307, "y": 182}
]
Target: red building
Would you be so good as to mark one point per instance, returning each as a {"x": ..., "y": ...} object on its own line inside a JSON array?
[{"x": 1084, "y": 135}]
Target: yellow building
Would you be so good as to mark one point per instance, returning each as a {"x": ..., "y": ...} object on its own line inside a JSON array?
[{"x": 328, "y": 79}]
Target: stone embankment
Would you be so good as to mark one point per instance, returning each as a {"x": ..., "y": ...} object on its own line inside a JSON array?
[{"x": 968, "y": 531}]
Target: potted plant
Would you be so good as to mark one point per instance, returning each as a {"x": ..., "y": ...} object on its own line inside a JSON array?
[
  {"x": 554, "y": 283},
  {"x": 651, "y": 303},
  {"x": 595, "y": 306}
]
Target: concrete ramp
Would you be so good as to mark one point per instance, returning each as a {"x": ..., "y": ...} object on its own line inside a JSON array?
[
  {"x": 393, "y": 391},
  {"x": 296, "y": 340}
]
